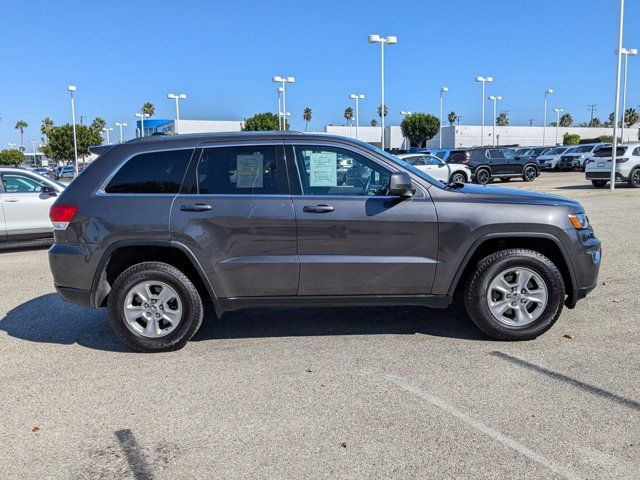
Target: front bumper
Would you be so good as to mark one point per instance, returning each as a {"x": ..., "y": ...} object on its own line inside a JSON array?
[{"x": 585, "y": 260}]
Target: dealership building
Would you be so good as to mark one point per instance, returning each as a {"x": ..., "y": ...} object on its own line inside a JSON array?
[{"x": 158, "y": 125}]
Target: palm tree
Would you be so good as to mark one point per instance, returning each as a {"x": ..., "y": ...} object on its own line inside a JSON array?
[
  {"x": 631, "y": 117},
  {"x": 306, "y": 116},
  {"x": 21, "y": 125},
  {"x": 566, "y": 120},
  {"x": 374, "y": 122},
  {"x": 47, "y": 123},
  {"x": 502, "y": 120},
  {"x": 452, "y": 118},
  {"x": 98, "y": 124},
  {"x": 149, "y": 109},
  {"x": 595, "y": 122},
  {"x": 386, "y": 111},
  {"x": 348, "y": 114}
]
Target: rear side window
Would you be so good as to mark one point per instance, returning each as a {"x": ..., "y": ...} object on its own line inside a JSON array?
[
  {"x": 458, "y": 157},
  {"x": 250, "y": 170},
  {"x": 151, "y": 173},
  {"x": 495, "y": 153},
  {"x": 606, "y": 152}
]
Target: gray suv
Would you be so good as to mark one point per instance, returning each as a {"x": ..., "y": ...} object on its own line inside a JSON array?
[{"x": 156, "y": 228}]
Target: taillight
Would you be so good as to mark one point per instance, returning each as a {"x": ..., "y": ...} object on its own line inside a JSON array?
[
  {"x": 621, "y": 160},
  {"x": 61, "y": 215}
]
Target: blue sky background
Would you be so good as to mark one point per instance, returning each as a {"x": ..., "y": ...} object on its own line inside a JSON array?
[{"x": 222, "y": 54}]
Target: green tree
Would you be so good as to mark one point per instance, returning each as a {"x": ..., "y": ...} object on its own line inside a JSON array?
[
  {"x": 263, "y": 121},
  {"x": 98, "y": 124},
  {"x": 419, "y": 127},
  {"x": 386, "y": 111},
  {"x": 631, "y": 117},
  {"x": 502, "y": 120},
  {"x": 566, "y": 120},
  {"x": 570, "y": 139},
  {"x": 306, "y": 116},
  {"x": 47, "y": 123},
  {"x": 149, "y": 109},
  {"x": 60, "y": 144},
  {"x": 595, "y": 122},
  {"x": 348, "y": 114},
  {"x": 11, "y": 157},
  {"x": 452, "y": 118},
  {"x": 374, "y": 122},
  {"x": 21, "y": 125}
]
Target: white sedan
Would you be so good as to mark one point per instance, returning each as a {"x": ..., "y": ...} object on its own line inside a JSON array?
[
  {"x": 437, "y": 168},
  {"x": 25, "y": 200}
]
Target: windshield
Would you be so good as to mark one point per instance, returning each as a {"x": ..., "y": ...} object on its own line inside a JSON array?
[
  {"x": 557, "y": 151},
  {"x": 583, "y": 149},
  {"x": 402, "y": 163}
]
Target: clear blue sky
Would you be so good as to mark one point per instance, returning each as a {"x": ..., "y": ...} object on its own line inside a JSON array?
[{"x": 224, "y": 53}]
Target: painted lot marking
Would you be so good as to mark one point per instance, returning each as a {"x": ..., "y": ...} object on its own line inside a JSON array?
[{"x": 556, "y": 467}]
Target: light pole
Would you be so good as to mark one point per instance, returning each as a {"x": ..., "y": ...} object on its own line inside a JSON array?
[
  {"x": 390, "y": 40},
  {"x": 280, "y": 90},
  {"x": 142, "y": 116},
  {"x": 357, "y": 97},
  {"x": 283, "y": 117},
  {"x": 614, "y": 149},
  {"x": 35, "y": 151},
  {"x": 626, "y": 52},
  {"x": 177, "y": 97},
  {"x": 495, "y": 99},
  {"x": 443, "y": 90},
  {"x": 105, "y": 129},
  {"x": 284, "y": 81},
  {"x": 557, "y": 110},
  {"x": 71, "y": 89},
  {"x": 548, "y": 91},
  {"x": 483, "y": 80},
  {"x": 121, "y": 124}
]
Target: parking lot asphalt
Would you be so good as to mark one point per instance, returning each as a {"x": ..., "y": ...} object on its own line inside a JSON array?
[{"x": 330, "y": 393}]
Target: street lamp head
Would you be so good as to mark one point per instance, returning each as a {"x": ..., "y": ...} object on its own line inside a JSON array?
[
  {"x": 182, "y": 96},
  {"x": 632, "y": 51},
  {"x": 480, "y": 79},
  {"x": 405, "y": 113},
  {"x": 72, "y": 88},
  {"x": 488, "y": 79},
  {"x": 142, "y": 115},
  {"x": 444, "y": 89},
  {"x": 374, "y": 39},
  {"x": 391, "y": 40},
  {"x": 281, "y": 89},
  {"x": 549, "y": 90},
  {"x": 171, "y": 96},
  {"x": 277, "y": 78},
  {"x": 290, "y": 79},
  {"x": 353, "y": 96}
]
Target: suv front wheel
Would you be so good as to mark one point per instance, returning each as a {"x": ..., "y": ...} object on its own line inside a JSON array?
[
  {"x": 483, "y": 176},
  {"x": 154, "y": 307},
  {"x": 514, "y": 294}
]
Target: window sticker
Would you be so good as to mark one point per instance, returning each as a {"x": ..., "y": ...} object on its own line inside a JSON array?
[
  {"x": 323, "y": 169},
  {"x": 250, "y": 171}
]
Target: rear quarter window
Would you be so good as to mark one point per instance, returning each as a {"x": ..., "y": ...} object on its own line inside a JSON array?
[{"x": 151, "y": 173}]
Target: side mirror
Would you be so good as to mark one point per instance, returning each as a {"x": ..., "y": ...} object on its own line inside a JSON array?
[
  {"x": 400, "y": 185},
  {"x": 518, "y": 157},
  {"x": 47, "y": 190}
]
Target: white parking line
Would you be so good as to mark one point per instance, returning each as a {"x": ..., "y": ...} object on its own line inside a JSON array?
[{"x": 509, "y": 442}]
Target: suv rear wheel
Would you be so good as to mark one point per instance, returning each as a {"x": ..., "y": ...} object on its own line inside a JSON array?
[
  {"x": 483, "y": 176},
  {"x": 634, "y": 178},
  {"x": 154, "y": 307},
  {"x": 599, "y": 183},
  {"x": 514, "y": 294}
]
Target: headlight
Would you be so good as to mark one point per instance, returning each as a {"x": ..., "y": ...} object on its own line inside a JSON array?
[{"x": 580, "y": 221}]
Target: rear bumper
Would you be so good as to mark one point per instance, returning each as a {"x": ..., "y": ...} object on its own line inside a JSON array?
[
  {"x": 76, "y": 296},
  {"x": 603, "y": 175}
]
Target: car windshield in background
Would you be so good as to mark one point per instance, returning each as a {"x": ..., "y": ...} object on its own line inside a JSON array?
[
  {"x": 557, "y": 151},
  {"x": 583, "y": 149},
  {"x": 606, "y": 152}
]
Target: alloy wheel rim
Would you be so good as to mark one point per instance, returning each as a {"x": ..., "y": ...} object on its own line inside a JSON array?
[
  {"x": 458, "y": 178},
  {"x": 529, "y": 173},
  {"x": 152, "y": 309},
  {"x": 635, "y": 178},
  {"x": 517, "y": 296},
  {"x": 484, "y": 176}
]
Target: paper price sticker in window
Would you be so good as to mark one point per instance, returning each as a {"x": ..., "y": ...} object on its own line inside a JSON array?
[
  {"x": 250, "y": 171},
  {"x": 323, "y": 169}
]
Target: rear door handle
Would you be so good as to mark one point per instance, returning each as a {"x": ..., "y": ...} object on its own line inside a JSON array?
[
  {"x": 196, "y": 207},
  {"x": 318, "y": 208},
  {"x": 11, "y": 200}
]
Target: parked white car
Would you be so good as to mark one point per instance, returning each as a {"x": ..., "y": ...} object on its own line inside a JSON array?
[
  {"x": 598, "y": 168},
  {"x": 437, "y": 168},
  {"x": 25, "y": 200},
  {"x": 549, "y": 161}
]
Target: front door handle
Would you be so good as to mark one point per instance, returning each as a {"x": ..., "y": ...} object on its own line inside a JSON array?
[
  {"x": 196, "y": 207},
  {"x": 11, "y": 200},
  {"x": 318, "y": 208}
]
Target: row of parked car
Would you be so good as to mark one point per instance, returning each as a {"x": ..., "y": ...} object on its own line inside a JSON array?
[{"x": 65, "y": 172}]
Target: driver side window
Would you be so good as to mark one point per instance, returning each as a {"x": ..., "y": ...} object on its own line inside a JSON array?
[
  {"x": 326, "y": 170},
  {"x": 15, "y": 183}
]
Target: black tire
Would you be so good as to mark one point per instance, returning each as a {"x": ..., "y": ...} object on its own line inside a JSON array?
[
  {"x": 505, "y": 179},
  {"x": 458, "y": 177},
  {"x": 483, "y": 176},
  {"x": 599, "y": 183},
  {"x": 477, "y": 286},
  {"x": 530, "y": 173},
  {"x": 634, "y": 178},
  {"x": 190, "y": 320}
]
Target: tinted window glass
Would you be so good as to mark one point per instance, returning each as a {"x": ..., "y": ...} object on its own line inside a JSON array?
[
  {"x": 636, "y": 152},
  {"x": 328, "y": 170},
  {"x": 606, "y": 152},
  {"x": 250, "y": 170},
  {"x": 156, "y": 172},
  {"x": 510, "y": 154},
  {"x": 494, "y": 153},
  {"x": 458, "y": 157},
  {"x": 20, "y": 184}
]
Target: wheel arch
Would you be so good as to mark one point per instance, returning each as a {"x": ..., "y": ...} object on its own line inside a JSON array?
[
  {"x": 545, "y": 243},
  {"x": 121, "y": 255},
  {"x": 467, "y": 179}
]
